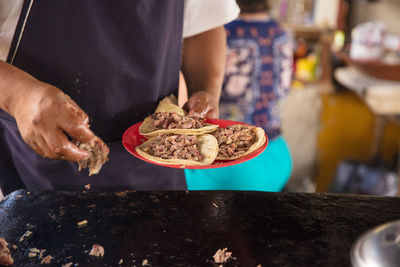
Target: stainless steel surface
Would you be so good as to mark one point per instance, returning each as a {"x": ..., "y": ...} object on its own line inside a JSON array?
[{"x": 378, "y": 247}]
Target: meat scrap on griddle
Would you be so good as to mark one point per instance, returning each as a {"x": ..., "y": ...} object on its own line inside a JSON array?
[
  {"x": 234, "y": 140},
  {"x": 170, "y": 120},
  {"x": 175, "y": 146}
]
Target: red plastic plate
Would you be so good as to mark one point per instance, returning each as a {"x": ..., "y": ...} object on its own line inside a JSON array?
[{"x": 131, "y": 139}]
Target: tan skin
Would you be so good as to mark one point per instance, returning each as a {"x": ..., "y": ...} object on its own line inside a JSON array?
[
  {"x": 45, "y": 115},
  {"x": 203, "y": 66}
]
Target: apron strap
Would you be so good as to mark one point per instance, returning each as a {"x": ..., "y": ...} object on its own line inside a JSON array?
[{"x": 26, "y": 9}]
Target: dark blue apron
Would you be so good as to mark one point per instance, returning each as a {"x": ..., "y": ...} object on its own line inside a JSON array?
[{"x": 116, "y": 59}]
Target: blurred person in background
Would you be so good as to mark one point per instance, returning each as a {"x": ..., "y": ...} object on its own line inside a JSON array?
[{"x": 257, "y": 76}]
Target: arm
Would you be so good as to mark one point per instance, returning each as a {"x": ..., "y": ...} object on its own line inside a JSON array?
[
  {"x": 43, "y": 114},
  {"x": 203, "y": 66}
]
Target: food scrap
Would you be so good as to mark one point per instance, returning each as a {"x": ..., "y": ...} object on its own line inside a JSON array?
[
  {"x": 87, "y": 186},
  {"x": 122, "y": 193},
  {"x": 121, "y": 261},
  {"x": 26, "y": 235},
  {"x": 42, "y": 251},
  {"x": 47, "y": 259},
  {"x": 97, "y": 251},
  {"x": 34, "y": 250},
  {"x": 222, "y": 255},
  {"x": 5, "y": 255},
  {"x": 82, "y": 223},
  {"x": 145, "y": 262},
  {"x": 68, "y": 264},
  {"x": 215, "y": 205}
]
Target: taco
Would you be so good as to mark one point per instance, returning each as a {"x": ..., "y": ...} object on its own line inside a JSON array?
[
  {"x": 236, "y": 141},
  {"x": 170, "y": 118},
  {"x": 180, "y": 149}
]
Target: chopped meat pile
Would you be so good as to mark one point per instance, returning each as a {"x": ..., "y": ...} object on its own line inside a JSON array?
[
  {"x": 98, "y": 155},
  {"x": 170, "y": 120},
  {"x": 234, "y": 140},
  {"x": 5, "y": 255},
  {"x": 97, "y": 251},
  {"x": 175, "y": 146},
  {"x": 222, "y": 255}
]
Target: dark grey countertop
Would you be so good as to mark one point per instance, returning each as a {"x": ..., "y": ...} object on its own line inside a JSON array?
[{"x": 187, "y": 228}]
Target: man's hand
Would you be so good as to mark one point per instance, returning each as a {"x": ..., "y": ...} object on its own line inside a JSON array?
[
  {"x": 202, "y": 104},
  {"x": 44, "y": 115}
]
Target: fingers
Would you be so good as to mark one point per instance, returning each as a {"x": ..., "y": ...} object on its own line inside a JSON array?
[
  {"x": 45, "y": 119},
  {"x": 212, "y": 114},
  {"x": 42, "y": 145},
  {"x": 198, "y": 104},
  {"x": 72, "y": 106},
  {"x": 58, "y": 147},
  {"x": 202, "y": 105},
  {"x": 71, "y": 152},
  {"x": 75, "y": 124},
  {"x": 37, "y": 148},
  {"x": 36, "y": 143},
  {"x": 55, "y": 145},
  {"x": 80, "y": 133}
]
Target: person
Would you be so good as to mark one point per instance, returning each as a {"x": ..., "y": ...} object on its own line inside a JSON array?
[
  {"x": 69, "y": 64},
  {"x": 258, "y": 75}
]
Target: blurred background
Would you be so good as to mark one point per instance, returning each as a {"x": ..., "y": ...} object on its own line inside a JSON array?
[{"x": 341, "y": 117}]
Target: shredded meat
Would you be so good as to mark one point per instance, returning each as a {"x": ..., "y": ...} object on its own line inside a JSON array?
[
  {"x": 170, "y": 120},
  {"x": 97, "y": 251},
  {"x": 5, "y": 255},
  {"x": 222, "y": 255},
  {"x": 175, "y": 146},
  {"x": 234, "y": 140},
  {"x": 98, "y": 155}
]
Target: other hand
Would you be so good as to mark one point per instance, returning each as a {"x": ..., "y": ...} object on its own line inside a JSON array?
[{"x": 202, "y": 104}]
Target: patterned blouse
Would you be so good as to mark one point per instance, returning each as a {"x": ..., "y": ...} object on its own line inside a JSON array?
[{"x": 258, "y": 73}]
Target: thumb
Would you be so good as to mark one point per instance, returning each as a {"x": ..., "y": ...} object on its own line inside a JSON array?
[{"x": 212, "y": 114}]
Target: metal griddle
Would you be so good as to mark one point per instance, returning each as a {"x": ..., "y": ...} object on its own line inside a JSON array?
[{"x": 187, "y": 228}]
